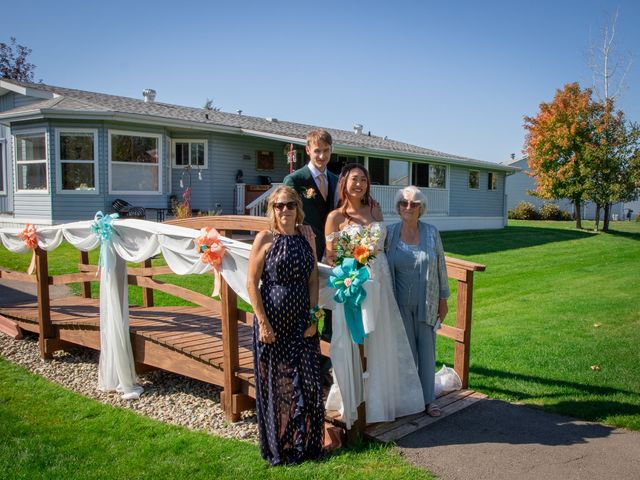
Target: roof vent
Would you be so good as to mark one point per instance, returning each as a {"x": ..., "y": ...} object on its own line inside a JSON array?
[
  {"x": 357, "y": 129},
  {"x": 149, "y": 95},
  {"x": 271, "y": 119}
]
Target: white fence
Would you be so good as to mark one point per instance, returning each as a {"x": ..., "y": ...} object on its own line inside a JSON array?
[{"x": 437, "y": 199}]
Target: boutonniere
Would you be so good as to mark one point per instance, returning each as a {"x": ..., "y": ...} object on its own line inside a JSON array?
[{"x": 310, "y": 193}]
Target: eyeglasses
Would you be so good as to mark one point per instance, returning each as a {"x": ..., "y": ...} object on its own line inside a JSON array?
[
  {"x": 409, "y": 204},
  {"x": 282, "y": 205}
]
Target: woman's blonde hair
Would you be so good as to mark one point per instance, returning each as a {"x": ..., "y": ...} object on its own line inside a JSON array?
[{"x": 292, "y": 196}]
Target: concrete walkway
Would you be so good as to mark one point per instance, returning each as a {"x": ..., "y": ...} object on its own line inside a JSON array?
[{"x": 497, "y": 440}]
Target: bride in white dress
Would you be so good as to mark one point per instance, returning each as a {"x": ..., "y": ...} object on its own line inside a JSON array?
[{"x": 390, "y": 386}]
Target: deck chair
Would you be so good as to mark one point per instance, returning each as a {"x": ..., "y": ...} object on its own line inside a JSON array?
[{"x": 125, "y": 209}]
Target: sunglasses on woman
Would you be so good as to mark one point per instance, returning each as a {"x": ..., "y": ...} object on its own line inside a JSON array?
[
  {"x": 409, "y": 204},
  {"x": 282, "y": 205}
]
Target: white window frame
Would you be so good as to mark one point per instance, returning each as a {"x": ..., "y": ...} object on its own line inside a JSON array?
[
  {"x": 446, "y": 176},
  {"x": 469, "y": 178},
  {"x": 131, "y": 133},
  {"x": 3, "y": 168},
  {"x": 59, "y": 188},
  {"x": 27, "y": 133},
  {"x": 175, "y": 141},
  {"x": 495, "y": 177},
  {"x": 429, "y": 165}
]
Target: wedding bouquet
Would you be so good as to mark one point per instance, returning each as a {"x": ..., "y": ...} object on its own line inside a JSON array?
[
  {"x": 355, "y": 246},
  {"x": 357, "y": 241}
]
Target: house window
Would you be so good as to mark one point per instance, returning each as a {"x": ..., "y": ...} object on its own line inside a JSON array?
[
  {"x": 189, "y": 152},
  {"x": 31, "y": 162},
  {"x": 420, "y": 174},
  {"x": 338, "y": 161},
  {"x": 437, "y": 176},
  {"x": 134, "y": 162},
  {"x": 429, "y": 176},
  {"x": 474, "y": 179},
  {"x": 378, "y": 170},
  {"x": 78, "y": 153},
  {"x": 398, "y": 173},
  {"x": 493, "y": 181}
]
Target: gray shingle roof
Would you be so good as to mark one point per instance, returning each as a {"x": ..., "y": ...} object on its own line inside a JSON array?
[{"x": 80, "y": 101}]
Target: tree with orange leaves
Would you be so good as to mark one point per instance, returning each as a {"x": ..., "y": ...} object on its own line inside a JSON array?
[{"x": 557, "y": 142}]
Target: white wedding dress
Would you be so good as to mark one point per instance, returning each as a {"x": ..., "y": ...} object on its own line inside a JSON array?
[{"x": 391, "y": 385}]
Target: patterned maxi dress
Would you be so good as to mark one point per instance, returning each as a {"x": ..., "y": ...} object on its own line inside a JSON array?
[{"x": 289, "y": 402}]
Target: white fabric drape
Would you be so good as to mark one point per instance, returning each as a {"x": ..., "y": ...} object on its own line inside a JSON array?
[{"x": 137, "y": 240}]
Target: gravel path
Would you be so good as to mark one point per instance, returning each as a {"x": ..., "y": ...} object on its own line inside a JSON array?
[{"x": 167, "y": 397}]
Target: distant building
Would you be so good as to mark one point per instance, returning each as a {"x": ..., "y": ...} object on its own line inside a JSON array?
[{"x": 519, "y": 184}]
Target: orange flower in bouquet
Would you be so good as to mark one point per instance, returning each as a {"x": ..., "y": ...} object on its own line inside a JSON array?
[{"x": 362, "y": 254}]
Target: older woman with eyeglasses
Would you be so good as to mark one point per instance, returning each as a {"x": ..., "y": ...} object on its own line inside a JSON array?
[
  {"x": 282, "y": 283},
  {"x": 419, "y": 273}
]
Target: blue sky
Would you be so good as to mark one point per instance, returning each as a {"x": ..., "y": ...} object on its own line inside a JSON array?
[{"x": 455, "y": 76}]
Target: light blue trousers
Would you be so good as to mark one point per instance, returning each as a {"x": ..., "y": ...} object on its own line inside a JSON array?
[{"x": 422, "y": 339}]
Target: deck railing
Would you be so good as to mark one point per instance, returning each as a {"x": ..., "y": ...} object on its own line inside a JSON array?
[
  {"x": 234, "y": 399},
  {"x": 258, "y": 207}
]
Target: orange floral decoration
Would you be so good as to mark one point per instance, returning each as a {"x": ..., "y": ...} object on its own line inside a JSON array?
[
  {"x": 361, "y": 254},
  {"x": 30, "y": 239},
  {"x": 211, "y": 251}
]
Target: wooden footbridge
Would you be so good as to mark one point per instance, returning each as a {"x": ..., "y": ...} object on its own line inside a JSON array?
[{"x": 211, "y": 341}]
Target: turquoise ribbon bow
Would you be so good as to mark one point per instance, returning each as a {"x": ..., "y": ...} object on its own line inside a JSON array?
[
  {"x": 348, "y": 280},
  {"x": 102, "y": 229}
]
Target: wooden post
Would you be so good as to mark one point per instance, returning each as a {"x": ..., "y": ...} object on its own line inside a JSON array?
[
  {"x": 45, "y": 326},
  {"x": 147, "y": 293},
  {"x": 354, "y": 434},
  {"x": 85, "y": 287},
  {"x": 463, "y": 322},
  {"x": 229, "y": 310}
]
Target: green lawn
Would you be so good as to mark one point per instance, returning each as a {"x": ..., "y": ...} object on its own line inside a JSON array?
[
  {"x": 553, "y": 303},
  {"x": 49, "y": 432}
]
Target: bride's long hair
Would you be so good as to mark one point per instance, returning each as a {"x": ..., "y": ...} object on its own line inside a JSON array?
[{"x": 342, "y": 187}]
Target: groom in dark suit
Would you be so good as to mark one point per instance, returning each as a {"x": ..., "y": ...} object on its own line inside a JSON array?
[{"x": 316, "y": 185}]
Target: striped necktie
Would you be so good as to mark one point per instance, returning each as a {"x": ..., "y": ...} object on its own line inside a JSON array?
[{"x": 322, "y": 180}]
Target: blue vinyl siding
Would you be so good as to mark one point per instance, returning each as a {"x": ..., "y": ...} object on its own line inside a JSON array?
[
  {"x": 481, "y": 202},
  {"x": 14, "y": 100},
  {"x": 226, "y": 155},
  {"x": 35, "y": 206},
  {"x": 69, "y": 207}
]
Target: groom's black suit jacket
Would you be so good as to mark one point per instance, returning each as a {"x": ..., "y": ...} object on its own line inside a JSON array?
[{"x": 316, "y": 209}]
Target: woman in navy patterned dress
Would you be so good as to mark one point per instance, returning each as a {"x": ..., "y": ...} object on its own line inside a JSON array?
[{"x": 283, "y": 285}]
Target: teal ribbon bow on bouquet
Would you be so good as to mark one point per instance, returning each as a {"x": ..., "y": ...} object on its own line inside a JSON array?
[
  {"x": 348, "y": 280},
  {"x": 102, "y": 229}
]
